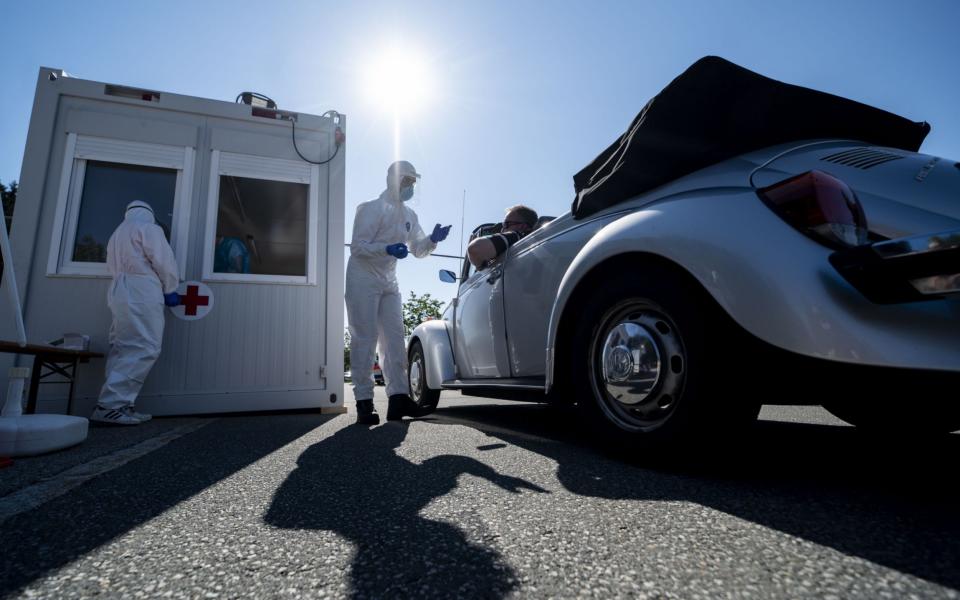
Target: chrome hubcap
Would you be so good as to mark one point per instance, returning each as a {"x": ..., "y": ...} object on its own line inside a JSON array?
[
  {"x": 630, "y": 363},
  {"x": 416, "y": 378},
  {"x": 639, "y": 366}
]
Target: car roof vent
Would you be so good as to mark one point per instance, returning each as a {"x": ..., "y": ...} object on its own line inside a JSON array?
[{"x": 861, "y": 158}]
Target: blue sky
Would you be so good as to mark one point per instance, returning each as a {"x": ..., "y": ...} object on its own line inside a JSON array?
[{"x": 524, "y": 93}]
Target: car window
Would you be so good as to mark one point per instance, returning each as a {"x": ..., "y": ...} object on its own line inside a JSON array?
[
  {"x": 486, "y": 229},
  {"x": 466, "y": 271},
  {"x": 479, "y": 231}
]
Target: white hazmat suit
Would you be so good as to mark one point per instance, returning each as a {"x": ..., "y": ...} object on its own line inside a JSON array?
[
  {"x": 143, "y": 268},
  {"x": 374, "y": 307}
]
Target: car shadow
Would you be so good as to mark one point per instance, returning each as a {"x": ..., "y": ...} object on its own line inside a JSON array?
[
  {"x": 888, "y": 501},
  {"x": 375, "y": 504},
  {"x": 105, "y": 508}
]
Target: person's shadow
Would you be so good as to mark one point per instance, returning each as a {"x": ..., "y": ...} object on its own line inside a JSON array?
[
  {"x": 354, "y": 484},
  {"x": 888, "y": 500}
]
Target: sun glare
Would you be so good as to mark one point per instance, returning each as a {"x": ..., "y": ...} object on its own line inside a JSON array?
[{"x": 398, "y": 80}]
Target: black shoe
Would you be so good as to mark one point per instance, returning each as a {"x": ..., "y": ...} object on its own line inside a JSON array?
[
  {"x": 366, "y": 413},
  {"x": 400, "y": 405}
]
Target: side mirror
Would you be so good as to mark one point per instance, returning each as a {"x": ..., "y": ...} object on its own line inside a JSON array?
[{"x": 448, "y": 276}]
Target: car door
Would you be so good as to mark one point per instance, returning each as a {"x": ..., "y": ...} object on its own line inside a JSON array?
[
  {"x": 480, "y": 349},
  {"x": 535, "y": 267}
]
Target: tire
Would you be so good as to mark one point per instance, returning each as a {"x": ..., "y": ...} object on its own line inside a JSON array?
[
  {"x": 646, "y": 363},
  {"x": 425, "y": 397}
]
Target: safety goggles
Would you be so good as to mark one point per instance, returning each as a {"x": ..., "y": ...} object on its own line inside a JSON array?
[
  {"x": 143, "y": 206},
  {"x": 507, "y": 224},
  {"x": 407, "y": 181}
]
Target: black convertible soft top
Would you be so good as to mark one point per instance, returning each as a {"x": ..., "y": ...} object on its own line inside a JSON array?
[{"x": 716, "y": 110}]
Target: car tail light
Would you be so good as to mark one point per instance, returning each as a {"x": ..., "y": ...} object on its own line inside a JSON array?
[{"x": 819, "y": 206}]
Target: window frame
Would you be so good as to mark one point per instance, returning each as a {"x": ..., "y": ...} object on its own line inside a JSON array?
[
  {"x": 82, "y": 148},
  {"x": 265, "y": 169}
]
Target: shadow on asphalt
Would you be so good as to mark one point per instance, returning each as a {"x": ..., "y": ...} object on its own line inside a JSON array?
[
  {"x": 889, "y": 501},
  {"x": 106, "y": 507},
  {"x": 375, "y": 503}
]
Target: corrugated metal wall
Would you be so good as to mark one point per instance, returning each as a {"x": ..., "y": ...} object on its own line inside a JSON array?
[{"x": 257, "y": 338}]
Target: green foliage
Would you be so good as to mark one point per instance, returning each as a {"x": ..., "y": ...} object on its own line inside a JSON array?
[
  {"x": 9, "y": 195},
  {"x": 90, "y": 250},
  {"x": 346, "y": 349},
  {"x": 9, "y": 198},
  {"x": 418, "y": 309}
]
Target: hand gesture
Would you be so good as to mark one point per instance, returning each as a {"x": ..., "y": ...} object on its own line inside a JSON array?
[{"x": 439, "y": 233}]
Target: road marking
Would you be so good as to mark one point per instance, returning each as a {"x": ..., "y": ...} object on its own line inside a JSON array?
[{"x": 40, "y": 493}]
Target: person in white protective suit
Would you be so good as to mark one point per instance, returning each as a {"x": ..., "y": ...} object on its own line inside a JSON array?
[
  {"x": 145, "y": 277},
  {"x": 384, "y": 231}
]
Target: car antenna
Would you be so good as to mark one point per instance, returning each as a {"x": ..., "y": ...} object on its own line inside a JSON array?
[{"x": 463, "y": 206}]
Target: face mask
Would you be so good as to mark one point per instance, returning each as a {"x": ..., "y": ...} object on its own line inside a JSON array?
[{"x": 406, "y": 193}]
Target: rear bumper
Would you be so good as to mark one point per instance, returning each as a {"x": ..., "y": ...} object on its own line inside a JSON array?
[
  {"x": 806, "y": 380},
  {"x": 911, "y": 269}
]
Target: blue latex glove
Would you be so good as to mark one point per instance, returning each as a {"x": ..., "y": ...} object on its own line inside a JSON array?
[
  {"x": 171, "y": 299},
  {"x": 398, "y": 250},
  {"x": 439, "y": 233}
]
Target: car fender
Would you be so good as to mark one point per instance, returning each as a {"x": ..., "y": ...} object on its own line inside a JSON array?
[
  {"x": 649, "y": 230},
  {"x": 435, "y": 340},
  {"x": 774, "y": 282}
]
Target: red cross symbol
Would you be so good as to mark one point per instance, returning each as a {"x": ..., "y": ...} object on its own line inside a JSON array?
[{"x": 192, "y": 299}]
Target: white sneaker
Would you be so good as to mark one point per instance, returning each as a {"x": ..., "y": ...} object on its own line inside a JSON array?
[
  {"x": 144, "y": 417},
  {"x": 119, "y": 416}
]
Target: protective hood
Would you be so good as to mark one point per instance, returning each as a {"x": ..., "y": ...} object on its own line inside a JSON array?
[
  {"x": 716, "y": 110},
  {"x": 395, "y": 174},
  {"x": 139, "y": 211}
]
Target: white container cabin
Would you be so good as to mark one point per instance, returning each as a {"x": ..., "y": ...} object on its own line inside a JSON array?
[{"x": 212, "y": 170}]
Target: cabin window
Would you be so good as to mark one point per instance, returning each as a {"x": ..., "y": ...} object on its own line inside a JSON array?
[
  {"x": 107, "y": 189},
  {"x": 262, "y": 220},
  {"x": 261, "y": 227},
  {"x": 100, "y": 176}
]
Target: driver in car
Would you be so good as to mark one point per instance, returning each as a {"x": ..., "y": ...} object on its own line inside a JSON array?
[{"x": 518, "y": 222}]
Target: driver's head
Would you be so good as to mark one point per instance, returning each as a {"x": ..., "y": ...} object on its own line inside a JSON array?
[{"x": 520, "y": 218}]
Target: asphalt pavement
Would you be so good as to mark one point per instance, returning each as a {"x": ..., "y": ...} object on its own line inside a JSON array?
[{"x": 488, "y": 499}]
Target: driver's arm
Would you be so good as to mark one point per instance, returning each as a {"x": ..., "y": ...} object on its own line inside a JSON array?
[{"x": 485, "y": 248}]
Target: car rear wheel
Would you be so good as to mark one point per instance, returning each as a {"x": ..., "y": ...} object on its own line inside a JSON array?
[
  {"x": 648, "y": 363},
  {"x": 421, "y": 393}
]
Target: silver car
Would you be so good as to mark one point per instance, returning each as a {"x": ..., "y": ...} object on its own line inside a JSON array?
[{"x": 810, "y": 271}]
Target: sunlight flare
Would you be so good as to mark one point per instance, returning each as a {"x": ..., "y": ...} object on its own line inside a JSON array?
[{"x": 399, "y": 81}]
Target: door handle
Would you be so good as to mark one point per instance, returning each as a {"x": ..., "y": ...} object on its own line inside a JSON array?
[{"x": 495, "y": 274}]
